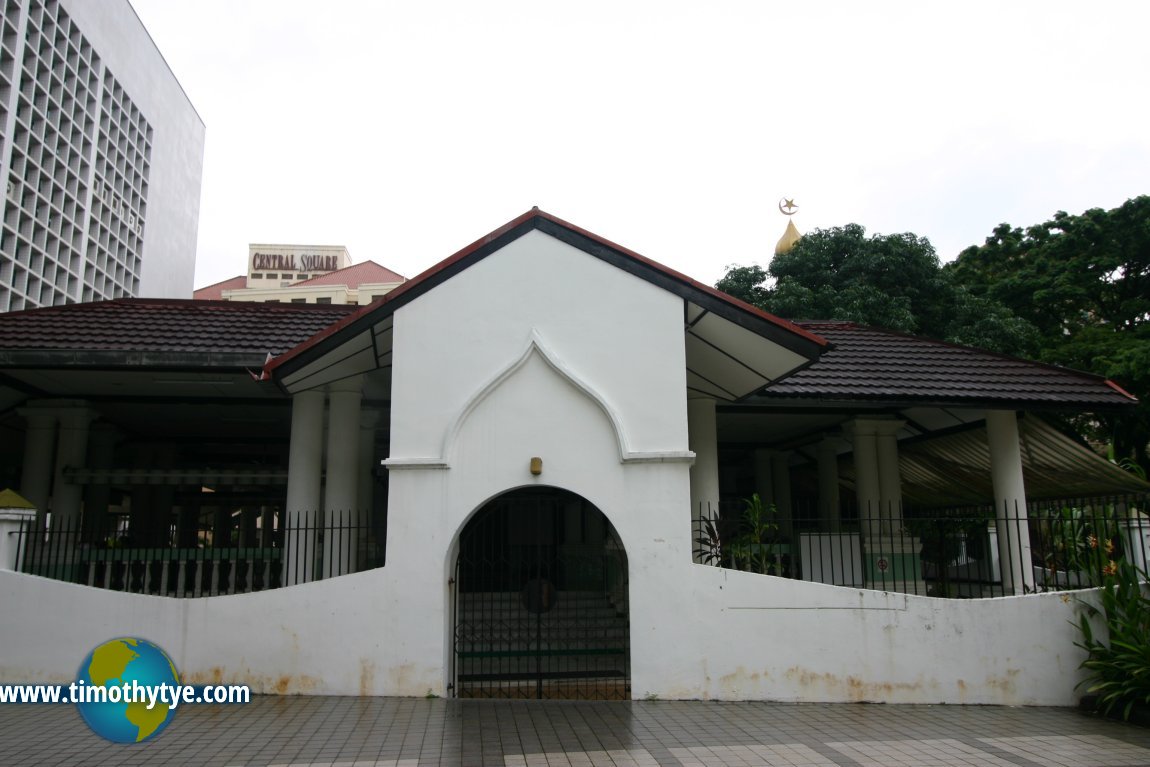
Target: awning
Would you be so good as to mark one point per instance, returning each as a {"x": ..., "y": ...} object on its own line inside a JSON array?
[{"x": 954, "y": 469}]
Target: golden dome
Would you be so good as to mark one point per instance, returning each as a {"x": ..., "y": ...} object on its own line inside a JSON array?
[{"x": 788, "y": 240}]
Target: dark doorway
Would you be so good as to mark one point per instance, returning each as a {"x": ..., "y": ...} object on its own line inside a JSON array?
[{"x": 540, "y": 601}]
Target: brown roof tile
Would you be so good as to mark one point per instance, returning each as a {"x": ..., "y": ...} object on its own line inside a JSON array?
[
  {"x": 868, "y": 363},
  {"x": 167, "y": 325}
]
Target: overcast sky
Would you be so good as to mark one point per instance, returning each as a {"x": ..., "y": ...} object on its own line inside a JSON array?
[{"x": 406, "y": 130}]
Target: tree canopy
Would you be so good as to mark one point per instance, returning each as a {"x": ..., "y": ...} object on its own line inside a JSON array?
[
  {"x": 893, "y": 281},
  {"x": 1084, "y": 282},
  {"x": 1072, "y": 291}
]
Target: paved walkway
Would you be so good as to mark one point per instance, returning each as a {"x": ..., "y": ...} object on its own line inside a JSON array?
[{"x": 390, "y": 732}]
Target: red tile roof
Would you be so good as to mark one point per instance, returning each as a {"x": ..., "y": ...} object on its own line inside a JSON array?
[
  {"x": 355, "y": 275},
  {"x": 167, "y": 325},
  {"x": 216, "y": 292},
  {"x": 868, "y": 363}
]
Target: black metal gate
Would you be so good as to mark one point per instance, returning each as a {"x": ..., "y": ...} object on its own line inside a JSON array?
[{"x": 540, "y": 601}]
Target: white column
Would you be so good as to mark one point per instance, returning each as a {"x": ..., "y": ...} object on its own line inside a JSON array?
[
  {"x": 781, "y": 482},
  {"x": 36, "y": 476},
  {"x": 867, "y": 487},
  {"x": 71, "y": 453},
  {"x": 889, "y": 476},
  {"x": 303, "y": 490},
  {"x": 341, "y": 502},
  {"x": 702, "y": 440},
  {"x": 1009, "y": 501},
  {"x": 366, "y": 494},
  {"x": 830, "y": 514},
  {"x": 878, "y": 482}
]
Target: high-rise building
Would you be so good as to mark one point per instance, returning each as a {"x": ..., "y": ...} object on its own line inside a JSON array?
[{"x": 102, "y": 154}]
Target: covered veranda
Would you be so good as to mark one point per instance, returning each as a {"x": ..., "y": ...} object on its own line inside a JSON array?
[
  {"x": 157, "y": 457},
  {"x": 905, "y": 464},
  {"x": 157, "y": 420}
]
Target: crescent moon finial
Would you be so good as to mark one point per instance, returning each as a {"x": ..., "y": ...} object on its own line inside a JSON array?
[{"x": 787, "y": 206}]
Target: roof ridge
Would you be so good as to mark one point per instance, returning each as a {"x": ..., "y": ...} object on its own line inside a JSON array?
[{"x": 197, "y": 303}]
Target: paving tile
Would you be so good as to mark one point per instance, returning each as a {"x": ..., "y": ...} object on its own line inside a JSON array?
[
  {"x": 943, "y": 752},
  {"x": 775, "y": 755},
  {"x": 1084, "y": 750},
  {"x": 390, "y": 732}
]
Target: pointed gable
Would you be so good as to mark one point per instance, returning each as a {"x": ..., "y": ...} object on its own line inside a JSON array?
[{"x": 733, "y": 349}]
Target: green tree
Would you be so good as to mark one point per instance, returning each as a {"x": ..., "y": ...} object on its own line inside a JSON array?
[
  {"x": 1084, "y": 282},
  {"x": 745, "y": 283},
  {"x": 889, "y": 280},
  {"x": 893, "y": 281}
]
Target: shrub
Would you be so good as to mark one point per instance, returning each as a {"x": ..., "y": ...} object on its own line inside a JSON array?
[{"x": 1119, "y": 664}]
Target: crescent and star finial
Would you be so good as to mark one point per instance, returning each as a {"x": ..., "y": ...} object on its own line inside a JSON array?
[{"x": 787, "y": 206}]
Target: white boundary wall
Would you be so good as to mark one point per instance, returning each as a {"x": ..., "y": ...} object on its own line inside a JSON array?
[{"x": 729, "y": 636}]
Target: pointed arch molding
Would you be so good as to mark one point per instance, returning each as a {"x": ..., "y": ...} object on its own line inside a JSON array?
[{"x": 536, "y": 346}]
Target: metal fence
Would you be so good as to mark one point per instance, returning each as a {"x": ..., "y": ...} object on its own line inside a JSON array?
[
  {"x": 228, "y": 554},
  {"x": 958, "y": 552}
]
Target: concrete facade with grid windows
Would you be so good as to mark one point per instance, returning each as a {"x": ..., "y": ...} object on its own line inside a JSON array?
[{"x": 102, "y": 155}]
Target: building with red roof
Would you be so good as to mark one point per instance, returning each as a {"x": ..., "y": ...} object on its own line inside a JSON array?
[{"x": 304, "y": 274}]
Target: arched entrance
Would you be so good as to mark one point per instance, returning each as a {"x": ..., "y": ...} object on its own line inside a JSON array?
[{"x": 540, "y": 601}]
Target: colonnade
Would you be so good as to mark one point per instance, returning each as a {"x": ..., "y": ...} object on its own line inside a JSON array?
[
  {"x": 329, "y": 488},
  {"x": 335, "y": 494},
  {"x": 873, "y": 442}
]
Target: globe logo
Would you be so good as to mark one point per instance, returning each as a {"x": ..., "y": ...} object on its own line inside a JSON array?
[{"x": 120, "y": 662}]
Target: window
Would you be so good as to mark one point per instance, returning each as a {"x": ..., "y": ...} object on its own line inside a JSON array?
[
  {"x": 271, "y": 300},
  {"x": 299, "y": 300},
  {"x": 323, "y": 300},
  {"x": 257, "y": 276},
  {"x": 301, "y": 276},
  {"x": 273, "y": 276}
]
